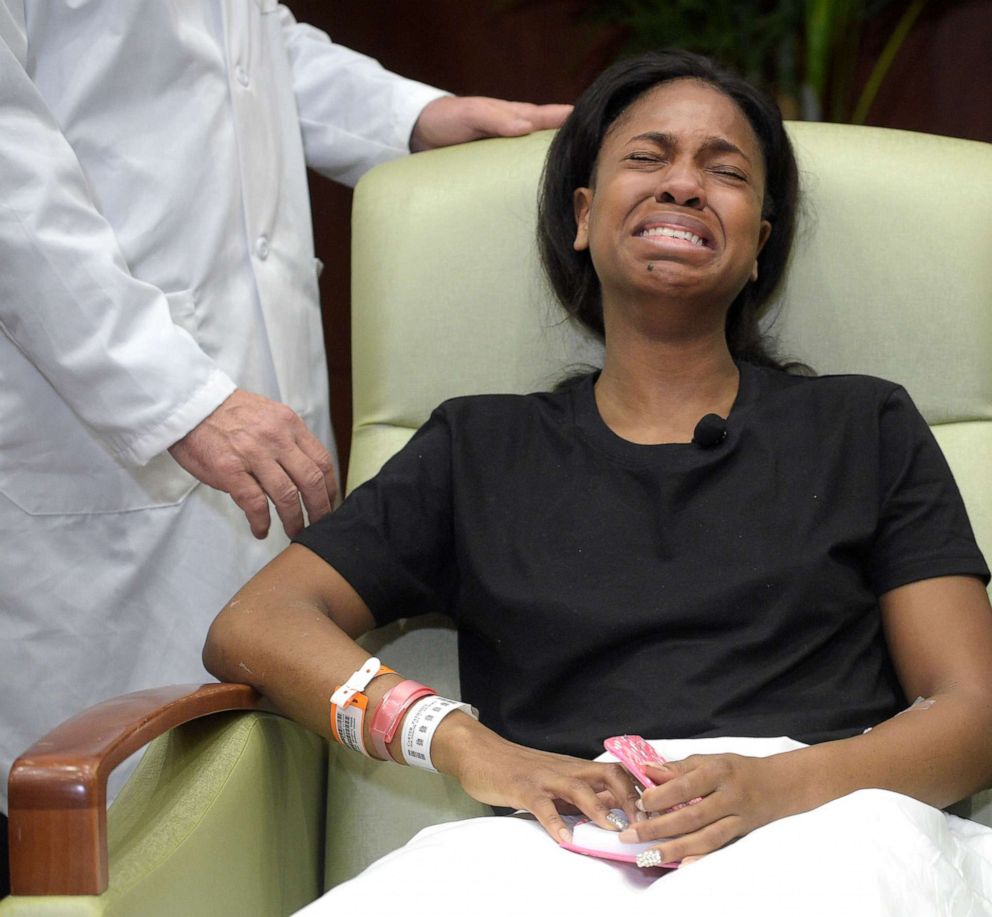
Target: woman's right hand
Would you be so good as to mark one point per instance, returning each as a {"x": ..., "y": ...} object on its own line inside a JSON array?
[{"x": 501, "y": 773}]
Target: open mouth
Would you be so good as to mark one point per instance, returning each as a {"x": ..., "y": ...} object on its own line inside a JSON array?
[{"x": 671, "y": 233}]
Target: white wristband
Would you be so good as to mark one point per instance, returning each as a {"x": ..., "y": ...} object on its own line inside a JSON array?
[
  {"x": 348, "y": 725},
  {"x": 421, "y": 723}
]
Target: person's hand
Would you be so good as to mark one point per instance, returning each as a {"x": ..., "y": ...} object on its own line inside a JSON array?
[
  {"x": 459, "y": 119},
  {"x": 255, "y": 450},
  {"x": 501, "y": 773},
  {"x": 706, "y": 801}
]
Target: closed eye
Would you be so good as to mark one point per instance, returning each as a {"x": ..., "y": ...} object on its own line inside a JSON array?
[
  {"x": 645, "y": 157},
  {"x": 732, "y": 173}
]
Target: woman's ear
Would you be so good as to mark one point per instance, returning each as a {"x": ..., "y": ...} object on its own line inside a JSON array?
[
  {"x": 581, "y": 202},
  {"x": 764, "y": 232}
]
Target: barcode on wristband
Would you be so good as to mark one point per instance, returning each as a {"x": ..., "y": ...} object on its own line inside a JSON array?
[
  {"x": 349, "y": 724},
  {"x": 347, "y": 731},
  {"x": 422, "y": 721}
]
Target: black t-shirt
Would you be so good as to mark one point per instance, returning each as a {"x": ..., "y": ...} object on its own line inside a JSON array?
[{"x": 602, "y": 587}]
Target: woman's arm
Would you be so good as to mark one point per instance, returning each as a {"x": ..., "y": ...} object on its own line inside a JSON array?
[
  {"x": 290, "y": 633},
  {"x": 939, "y": 634}
]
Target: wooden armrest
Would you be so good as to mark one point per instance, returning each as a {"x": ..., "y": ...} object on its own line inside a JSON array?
[{"x": 58, "y": 787}]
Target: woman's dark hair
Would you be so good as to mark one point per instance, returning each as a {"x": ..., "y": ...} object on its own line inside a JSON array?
[{"x": 572, "y": 160}]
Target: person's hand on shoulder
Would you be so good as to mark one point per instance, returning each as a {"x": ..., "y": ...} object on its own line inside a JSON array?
[
  {"x": 257, "y": 450},
  {"x": 459, "y": 119}
]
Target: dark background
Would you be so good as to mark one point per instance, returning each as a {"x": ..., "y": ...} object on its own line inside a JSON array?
[{"x": 544, "y": 52}]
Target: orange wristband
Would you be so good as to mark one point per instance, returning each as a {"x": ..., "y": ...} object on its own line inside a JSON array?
[{"x": 349, "y": 703}]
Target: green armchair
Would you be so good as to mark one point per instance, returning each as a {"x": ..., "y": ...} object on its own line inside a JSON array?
[{"x": 236, "y": 810}]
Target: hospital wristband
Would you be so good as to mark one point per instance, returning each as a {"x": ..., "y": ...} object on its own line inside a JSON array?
[
  {"x": 390, "y": 712},
  {"x": 348, "y": 705},
  {"x": 420, "y": 725}
]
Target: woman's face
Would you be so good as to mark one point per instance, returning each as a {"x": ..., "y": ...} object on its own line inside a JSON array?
[{"x": 675, "y": 207}]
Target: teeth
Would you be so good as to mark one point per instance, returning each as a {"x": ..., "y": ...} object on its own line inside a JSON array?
[{"x": 673, "y": 234}]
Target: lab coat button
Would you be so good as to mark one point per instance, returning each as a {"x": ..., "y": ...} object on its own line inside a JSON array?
[
  {"x": 242, "y": 75},
  {"x": 262, "y": 247}
]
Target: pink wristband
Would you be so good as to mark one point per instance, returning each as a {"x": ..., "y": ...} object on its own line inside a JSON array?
[{"x": 390, "y": 711}]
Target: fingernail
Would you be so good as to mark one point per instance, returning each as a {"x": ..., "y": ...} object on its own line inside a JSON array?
[
  {"x": 629, "y": 836},
  {"x": 648, "y": 858},
  {"x": 640, "y": 805},
  {"x": 564, "y": 835},
  {"x": 618, "y": 819}
]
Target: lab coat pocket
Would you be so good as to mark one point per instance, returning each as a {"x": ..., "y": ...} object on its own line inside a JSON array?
[{"x": 53, "y": 464}]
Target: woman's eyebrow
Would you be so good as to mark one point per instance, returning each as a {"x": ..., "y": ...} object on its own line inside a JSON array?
[{"x": 713, "y": 144}]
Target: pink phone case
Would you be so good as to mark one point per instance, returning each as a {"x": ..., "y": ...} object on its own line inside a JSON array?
[{"x": 633, "y": 752}]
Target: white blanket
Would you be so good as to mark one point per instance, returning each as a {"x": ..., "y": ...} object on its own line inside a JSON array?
[{"x": 872, "y": 853}]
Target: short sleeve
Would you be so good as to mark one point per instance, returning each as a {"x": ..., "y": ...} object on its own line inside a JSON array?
[
  {"x": 391, "y": 539},
  {"x": 923, "y": 527}
]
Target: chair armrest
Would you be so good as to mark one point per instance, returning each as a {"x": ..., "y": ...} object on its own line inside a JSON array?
[{"x": 58, "y": 787}]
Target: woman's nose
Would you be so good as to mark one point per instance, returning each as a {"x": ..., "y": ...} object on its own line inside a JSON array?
[{"x": 682, "y": 186}]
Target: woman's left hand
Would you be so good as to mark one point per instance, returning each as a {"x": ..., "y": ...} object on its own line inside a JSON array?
[{"x": 705, "y": 801}]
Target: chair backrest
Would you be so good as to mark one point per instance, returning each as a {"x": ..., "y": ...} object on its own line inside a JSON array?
[{"x": 892, "y": 276}]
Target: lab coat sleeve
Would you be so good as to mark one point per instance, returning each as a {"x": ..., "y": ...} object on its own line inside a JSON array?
[
  {"x": 353, "y": 113},
  {"x": 104, "y": 340}
]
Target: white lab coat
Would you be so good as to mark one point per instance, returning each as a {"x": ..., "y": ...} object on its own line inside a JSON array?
[{"x": 155, "y": 252}]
